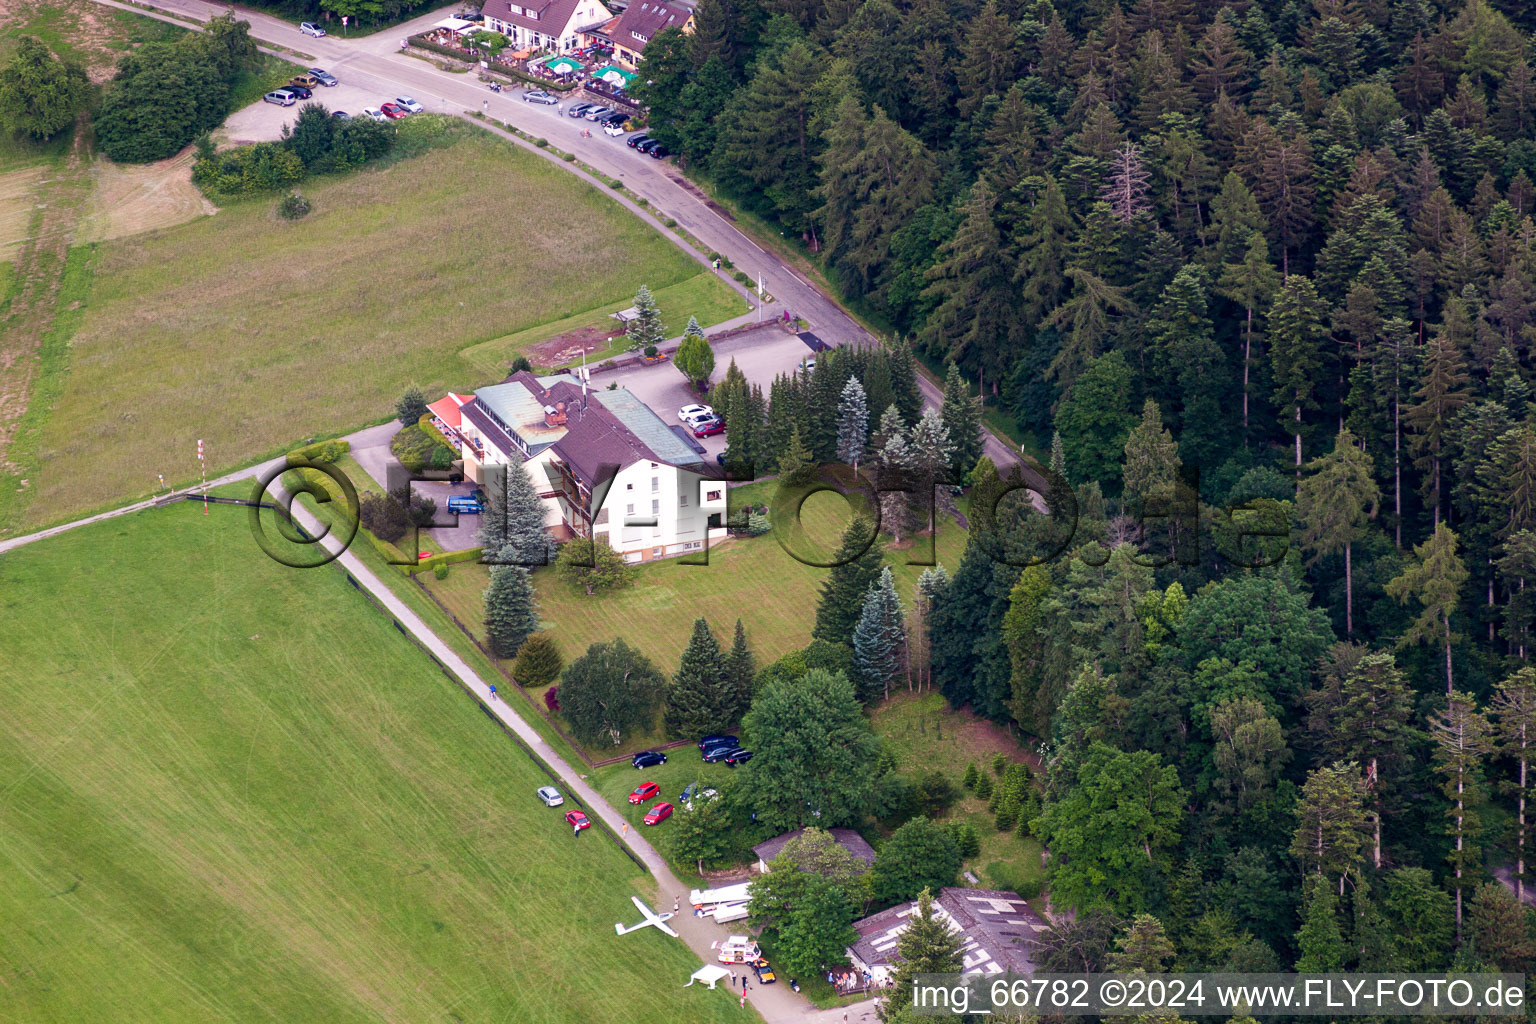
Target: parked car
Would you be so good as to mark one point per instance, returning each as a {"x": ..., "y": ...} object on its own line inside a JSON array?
[
  {"x": 409, "y": 104},
  {"x": 300, "y": 90},
  {"x": 577, "y": 820},
  {"x": 617, "y": 117},
  {"x": 714, "y": 754},
  {"x": 709, "y": 794},
  {"x": 324, "y": 77},
  {"x": 765, "y": 975},
  {"x": 550, "y": 796},
  {"x": 375, "y": 113},
  {"x": 644, "y": 792},
  {"x": 307, "y": 80},
  {"x": 648, "y": 759},
  {"x": 578, "y": 109},
  {"x": 738, "y": 757},
  {"x": 708, "y": 427},
  {"x": 341, "y": 115},
  {"x": 658, "y": 152},
  {"x": 714, "y": 739},
  {"x": 658, "y": 814},
  {"x": 282, "y": 97},
  {"x": 393, "y": 112},
  {"x": 685, "y": 414},
  {"x": 593, "y": 113},
  {"x": 464, "y": 505},
  {"x": 539, "y": 96},
  {"x": 689, "y": 792},
  {"x": 611, "y": 128},
  {"x": 636, "y": 139},
  {"x": 309, "y": 28},
  {"x": 808, "y": 366}
]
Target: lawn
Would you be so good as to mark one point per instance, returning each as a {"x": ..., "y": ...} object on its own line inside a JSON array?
[
  {"x": 926, "y": 734},
  {"x": 753, "y": 579},
  {"x": 231, "y": 790},
  {"x": 253, "y": 333}
]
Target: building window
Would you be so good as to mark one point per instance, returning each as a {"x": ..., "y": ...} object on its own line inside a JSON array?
[
  {"x": 629, "y": 487},
  {"x": 682, "y": 500},
  {"x": 655, "y": 484},
  {"x": 655, "y": 507},
  {"x": 712, "y": 496},
  {"x": 532, "y": 15},
  {"x": 629, "y": 509}
]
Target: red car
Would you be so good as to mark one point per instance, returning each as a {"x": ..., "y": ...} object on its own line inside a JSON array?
[
  {"x": 704, "y": 428},
  {"x": 644, "y": 792},
  {"x": 658, "y": 814},
  {"x": 394, "y": 111},
  {"x": 577, "y": 820}
]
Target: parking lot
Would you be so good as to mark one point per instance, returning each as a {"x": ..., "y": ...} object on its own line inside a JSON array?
[{"x": 263, "y": 122}]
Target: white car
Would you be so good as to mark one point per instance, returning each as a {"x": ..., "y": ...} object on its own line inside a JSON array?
[
  {"x": 613, "y": 129},
  {"x": 689, "y": 412},
  {"x": 409, "y": 104},
  {"x": 550, "y": 796},
  {"x": 375, "y": 113},
  {"x": 309, "y": 28}
]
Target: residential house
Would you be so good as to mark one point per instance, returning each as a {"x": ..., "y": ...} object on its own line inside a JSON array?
[
  {"x": 556, "y": 25},
  {"x": 603, "y": 462},
  {"x": 629, "y": 33},
  {"x": 847, "y": 838},
  {"x": 998, "y": 932}
]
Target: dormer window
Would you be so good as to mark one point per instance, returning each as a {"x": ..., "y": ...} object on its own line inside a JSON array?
[
  {"x": 514, "y": 8},
  {"x": 532, "y": 15}
]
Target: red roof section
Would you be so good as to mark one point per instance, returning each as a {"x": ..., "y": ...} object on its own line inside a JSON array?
[{"x": 447, "y": 408}]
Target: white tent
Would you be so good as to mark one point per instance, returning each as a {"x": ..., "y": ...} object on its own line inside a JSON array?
[{"x": 708, "y": 974}]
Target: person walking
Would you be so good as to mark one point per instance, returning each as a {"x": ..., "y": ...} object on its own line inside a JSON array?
[
  {"x": 677, "y": 901},
  {"x": 493, "y": 691},
  {"x": 743, "y": 1000}
]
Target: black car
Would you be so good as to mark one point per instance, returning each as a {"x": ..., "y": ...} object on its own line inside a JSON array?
[
  {"x": 714, "y": 740},
  {"x": 720, "y": 753},
  {"x": 738, "y": 757},
  {"x": 648, "y": 759},
  {"x": 659, "y": 152},
  {"x": 341, "y": 115},
  {"x": 637, "y": 139},
  {"x": 647, "y": 145},
  {"x": 303, "y": 92},
  {"x": 579, "y": 109},
  {"x": 617, "y": 117}
]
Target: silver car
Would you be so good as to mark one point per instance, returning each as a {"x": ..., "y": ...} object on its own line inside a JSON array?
[{"x": 550, "y": 796}]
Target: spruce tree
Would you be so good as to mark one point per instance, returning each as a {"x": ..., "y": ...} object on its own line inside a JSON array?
[
  {"x": 795, "y": 461},
  {"x": 961, "y": 414},
  {"x": 646, "y": 329},
  {"x": 1436, "y": 401},
  {"x": 1319, "y": 941},
  {"x": 699, "y": 701},
  {"x": 512, "y": 528},
  {"x": 1250, "y": 283},
  {"x": 852, "y": 423},
  {"x": 510, "y": 614},
  {"x": 928, "y": 946},
  {"x": 1297, "y": 337},
  {"x": 904, "y": 389},
  {"x": 878, "y": 640},
  {"x": 842, "y": 595},
  {"x": 1460, "y": 733},
  {"x": 1514, "y": 716}
]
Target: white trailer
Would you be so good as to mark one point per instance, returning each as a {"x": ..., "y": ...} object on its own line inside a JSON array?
[
  {"x": 708, "y": 898},
  {"x": 727, "y": 912}
]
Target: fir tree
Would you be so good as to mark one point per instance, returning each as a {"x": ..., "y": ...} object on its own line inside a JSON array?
[
  {"x": 961, "y": 414},
  {"x": 1297, "y": 337},
  {"x": 858, "y": 561},
  {"x": 1460, "y": 734},
  {"x": 1319, "y": 941},
  {"x": 1436, "y": 401},
  {"x": 700, "y": 700},
  {"x": 1434, "y": 580},
  {"x": 1251, "y": 283},
  {"x": 878, "y": 639},
  {"x": 509, "y": 609},
  {"x": 512, "y": 528},
  {"x": 795, "y": 461},
  {"x": 1514, "y": 718},
  {"x": 1331, "y": 821},
  {"x": 538, "y": 661},
  {"x": 1335, "y": 502},
  {"x": 927, "y": 946},
  {"x": 740, "y": 674}
]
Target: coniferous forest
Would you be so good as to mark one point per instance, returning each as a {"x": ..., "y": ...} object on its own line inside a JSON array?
[{"x": 1278, "y": 255}]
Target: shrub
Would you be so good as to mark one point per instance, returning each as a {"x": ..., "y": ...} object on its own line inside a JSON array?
[
  {"x": 650, "y": 351},
  {"x": 552, "y": 700},
  {"x": 440, "y": 570},
  {"x": 642, "y": 201},
  {"x": 966, "y": 838},
  {"x": 984, "y": 786},
  {"x": 669, "y": 222},
  {"x": 714, "y": 256},
  {"x": 935, "y": 793},
  {"x": 968, "y": 780},
  {"x": 541, "y": 143},
  {"x": 615, "y": 183},
  {"x": 741, "y": 277},
  {"x": 569, "y": 158},
  {"x": 323, "y": 451},
  {"x": 999, "y": 763},
  {"x": 293, "y": 206},
  {"x": 416, "y": 451},
  {"x": 382, "y": 516},
  {"x": 758, "y": 524},
  {"x": 538, "y": 662},
  {"x": 411, "y": 407}
]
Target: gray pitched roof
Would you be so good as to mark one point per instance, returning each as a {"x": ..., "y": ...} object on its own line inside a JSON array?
[
  {"x": 847, "y": 838},
  {"x": 999, "y": 931}
]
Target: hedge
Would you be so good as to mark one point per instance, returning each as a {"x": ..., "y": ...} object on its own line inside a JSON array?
[
  {"x": 425, "y": 423},
  {"x": 323, "y": 451},
  {"x": 450, "y": 558}
]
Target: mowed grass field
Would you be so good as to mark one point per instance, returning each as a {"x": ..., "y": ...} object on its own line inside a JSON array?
[
  {"x": 231, "y": 791},
  {"x": 254, "y": 333}
]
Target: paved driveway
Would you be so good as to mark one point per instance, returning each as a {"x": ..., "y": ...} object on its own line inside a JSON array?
[{"x": 263, "y": 121}]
